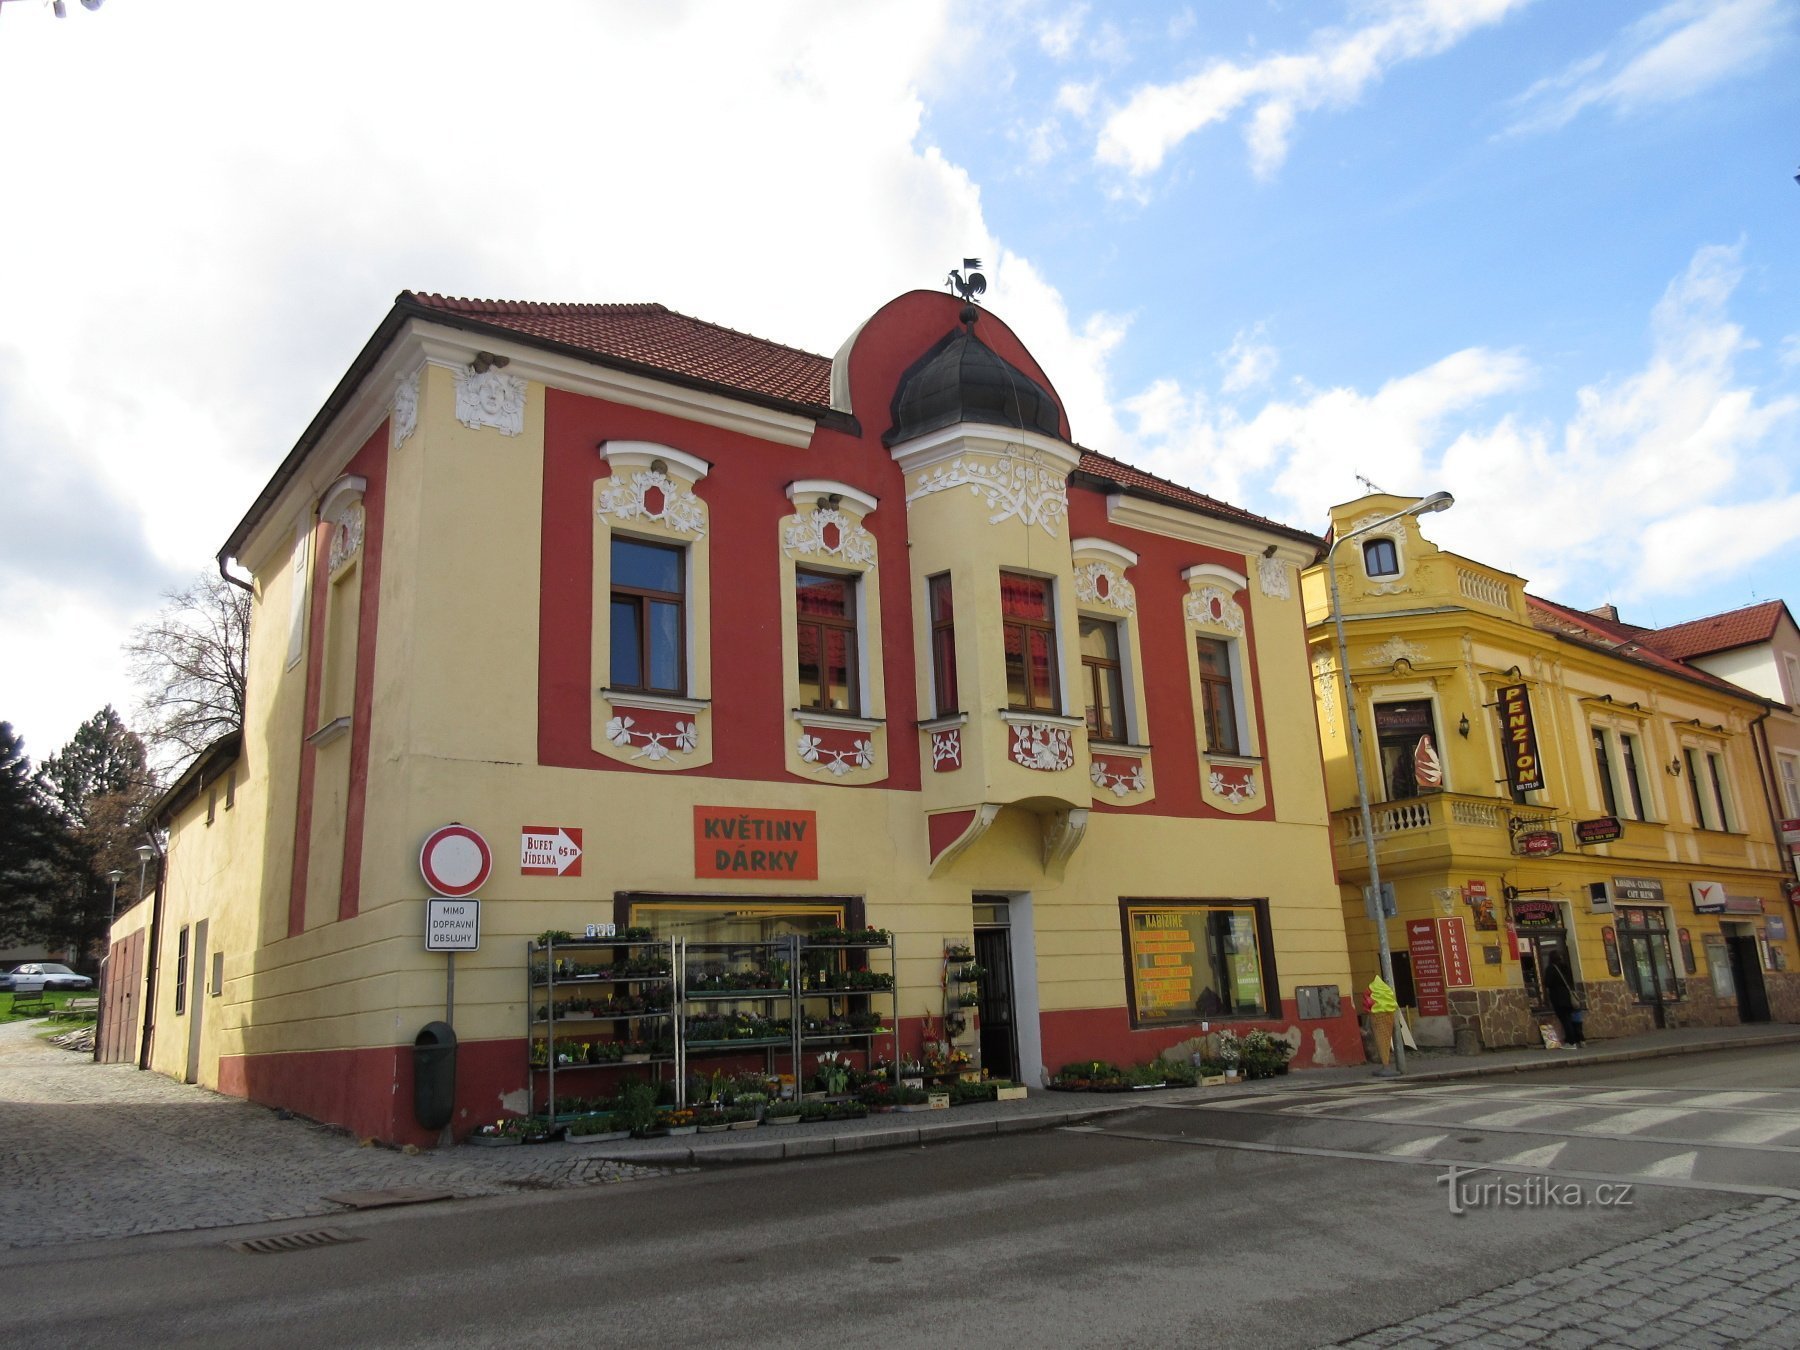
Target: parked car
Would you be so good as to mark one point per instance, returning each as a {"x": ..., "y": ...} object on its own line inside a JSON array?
[{"x": 55, "y": 976}]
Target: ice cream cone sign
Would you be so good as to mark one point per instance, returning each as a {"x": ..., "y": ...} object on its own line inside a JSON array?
[{"x": 1427, "y": 770}]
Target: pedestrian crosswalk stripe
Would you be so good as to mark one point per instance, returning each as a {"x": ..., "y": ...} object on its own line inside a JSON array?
[
  {"x": 1681, "y": 1167},
  {"x": 1630, "y": 1122},
  {"x": 1758, "y": 1129},
  {"x": 1517, "y": 1115},
  {"x": 1414, "y": 1148},
  {"x": 1536, "y": 1157}
]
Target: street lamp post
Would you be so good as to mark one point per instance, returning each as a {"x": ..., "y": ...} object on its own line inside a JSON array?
[{"x": 1437, "y": 501}]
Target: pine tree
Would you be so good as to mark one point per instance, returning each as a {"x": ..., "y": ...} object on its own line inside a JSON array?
[{"x": 33, "y": 845}]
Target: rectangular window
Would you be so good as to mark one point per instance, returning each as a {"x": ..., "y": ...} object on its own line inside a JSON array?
[
  {"x": 1104, "y": 680},
  {"x": 218, "y": 974},
  {"x": 212, "y": 802},
  {"x": 825, "y": 611},
  {"x": 1380, "y": 558},
  {"x": 649, "y": 626},
  {"x": 1692, "y": 760},
  {"x": 1189, "y": 960},
  {"x": 1218, "y": 696},
  {"x": 943, "y": 644},
  {"x": 1715, "y": 767},
  {"x": 1028, "y": 623},
  {"x": 1790, "y": 785},
  {"x": 1609, "y": 797},
  {"x": 181, "y": 959},
  {"x": 1405, "y": 734},
  {"x": 1634, "y": 778}
]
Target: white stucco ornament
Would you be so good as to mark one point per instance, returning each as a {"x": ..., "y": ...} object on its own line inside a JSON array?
[
  {"x": 1213, "y": 608},
  {"x": 1272, "y": 576},
  {"x": 1398, "y": 649},
  {"x": 1098, "y": 583},
  {"x": 406, "y": 408},
  {"x": 346, "y": 534},
  {"x": 491, "y": 398},
  {"x": 652, "y": 495},
  {"x": 1014, "y": 484},
  {"x": 831, "y": 534}
]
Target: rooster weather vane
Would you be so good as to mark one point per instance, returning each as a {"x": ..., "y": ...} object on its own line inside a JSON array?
[{"x": 970, "y": 287}]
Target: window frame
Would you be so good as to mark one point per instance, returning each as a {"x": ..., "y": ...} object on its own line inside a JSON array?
[
  {"x": 1406, "y": 747},
  {"x": 1603, "y": 768},
  {"x": 1026, "y": 627},
  {"x": 1788, "y": 770},
  {"x": 945, "y": 692},
  {"x": 850, "y": 625},
  {"x": 641, "y": 598},
  {"x": 181, "y": 971},
  {"x": 1631, "y": 761},
  {"x": 1715, "y": 765},
  {"x": 1209, "y": 684},
  {"x": 1096, "y": 669},
  {"x": 1374, "y": 546},
  {"x": 1263, "y": 947}
]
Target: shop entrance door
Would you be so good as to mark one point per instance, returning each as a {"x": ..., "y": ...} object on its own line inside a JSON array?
[
  {"x": 1746, "y": 973},
  {"x": 1538, "y": 953},
  {"x": 993, "y": 953}
]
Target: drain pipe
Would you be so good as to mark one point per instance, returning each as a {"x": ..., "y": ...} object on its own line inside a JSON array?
[
  {"x": 239, "y": 582},
  {"x": 153, "y": 954}
]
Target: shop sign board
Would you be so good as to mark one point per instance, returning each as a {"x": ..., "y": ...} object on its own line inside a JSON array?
[
  {"x": 455, "y": 861},
  {"x": 549, "y": 851},
  {"x": 1481, "y": 904},
  {"x": 1709, "y": 896},
  {"x": 1600, "y": 830},
  {"x": 1777, "y": 929},
  {"x": 1458, "y": 972},
  {"x": 1427, "y": 968},
  {"x": 1645, "y": 889},
  {"x": 1537, "y": 843},
  {"x": 1537, "y": 914},
  {"x": 452, "y": 925},
  {"x": 750, "y": 843},
  {"x": 1523, "y": 771},
  {"x": 1790, "y": 834}
]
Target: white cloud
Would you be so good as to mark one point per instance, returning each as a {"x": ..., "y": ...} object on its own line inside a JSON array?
[
  {"x": 212, "y": 238},
  {"x": 1677, "y": 51},
  {"x": 1249, "y": 362},
  {"x": 1058, "y": 35},
  {"x": 1655, "y": 483},
  {"x": 1336, "y": 72}
]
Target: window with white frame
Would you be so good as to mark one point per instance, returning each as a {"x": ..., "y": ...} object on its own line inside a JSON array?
[
  {"x": 1381, "y": 557},
  {"x": 825, "y": 609},
  {"x": 648, "y": 617},
  {"x": 1103, "y": 680},
  {"x": 1715, "y": 769},
  {"x": 1631, "y": 769},
  {"x": 1219, "y": 702},
  {"x": 1790, "y": 784},
  {"x": 1028, "y": 623}
]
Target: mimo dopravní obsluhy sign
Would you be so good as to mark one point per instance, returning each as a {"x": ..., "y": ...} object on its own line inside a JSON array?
[{"x": 452, "y": 925}]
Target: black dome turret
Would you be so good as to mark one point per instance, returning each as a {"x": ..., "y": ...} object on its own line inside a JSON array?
[{"x": 962, "y": 379}]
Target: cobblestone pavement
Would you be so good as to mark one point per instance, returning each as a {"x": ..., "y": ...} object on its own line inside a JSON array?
[
  {"x": 103, "y": 1151},
  {"x": 1718, "y": 1281}
]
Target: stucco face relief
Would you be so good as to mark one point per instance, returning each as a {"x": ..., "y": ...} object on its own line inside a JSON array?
[
  {"x": 649, "y": 495},
  {"x": 406, "y": 408},
  {"x": 1015, "y": 484},
  {"x": 1272, "y": 576},
  {"x": 1098, "y": 583},
  {"x": 830, "y": 534},
  {"x": 346, "y": 535},
  {"x": 491, "y": 399}
]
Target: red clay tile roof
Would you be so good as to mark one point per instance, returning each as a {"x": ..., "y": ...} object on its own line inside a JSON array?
[
  {"x": 655, "y": 338},
  {"x": 1717, "y": 632},
  {"x": 1128, "y": 476},
  {"x": 1621, "y": 639}
]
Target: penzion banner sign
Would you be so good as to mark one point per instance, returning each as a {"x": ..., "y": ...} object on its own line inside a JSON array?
[{"x": 1524, "y": 773}]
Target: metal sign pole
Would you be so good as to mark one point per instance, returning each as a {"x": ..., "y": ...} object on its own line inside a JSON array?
[{"x": 450, "y": 988}]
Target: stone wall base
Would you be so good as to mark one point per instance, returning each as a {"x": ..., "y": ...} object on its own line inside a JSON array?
[{"x": 1501, "y": 1018}]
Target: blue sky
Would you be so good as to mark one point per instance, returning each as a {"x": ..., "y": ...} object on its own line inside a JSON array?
[{"x": 1542, "y": 253}]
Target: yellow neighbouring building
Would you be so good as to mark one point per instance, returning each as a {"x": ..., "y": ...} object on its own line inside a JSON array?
[
  {"x": 1550, "y": 793},
  {"x": 707, "y": 638}
]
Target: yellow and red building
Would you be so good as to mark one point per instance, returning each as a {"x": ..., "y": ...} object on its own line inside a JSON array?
[{"x": 709, "y": 636}]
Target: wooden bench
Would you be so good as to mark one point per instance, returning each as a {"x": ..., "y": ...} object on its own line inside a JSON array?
[
  {"x": 79, "y": 1007},
  {"x": 29, "y": 999}
]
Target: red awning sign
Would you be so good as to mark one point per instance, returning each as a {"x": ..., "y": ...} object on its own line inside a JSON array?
[{"x": 455, "y": 861}]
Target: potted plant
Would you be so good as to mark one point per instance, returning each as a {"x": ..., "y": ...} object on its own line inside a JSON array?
[
  {"x": 784, "y": 1113},
  {"x": 636, "y": 1109},
  {"x": 1005, "y": 1091}
]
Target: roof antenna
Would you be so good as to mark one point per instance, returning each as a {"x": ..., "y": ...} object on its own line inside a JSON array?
[
  {"x": 1369, "y": 485},
  {"x": 970, "y": 287}
]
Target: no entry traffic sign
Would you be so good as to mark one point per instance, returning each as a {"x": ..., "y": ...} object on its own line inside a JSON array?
[{"x": 455, "y": 861}]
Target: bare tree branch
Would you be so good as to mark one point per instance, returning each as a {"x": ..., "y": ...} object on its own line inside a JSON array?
[{"x": 188, "y": 664}]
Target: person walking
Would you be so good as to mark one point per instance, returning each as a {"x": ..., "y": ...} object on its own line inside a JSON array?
[
  {"x": 1564, "y": 1002},
  {"x": 1382, "y": 1006}
]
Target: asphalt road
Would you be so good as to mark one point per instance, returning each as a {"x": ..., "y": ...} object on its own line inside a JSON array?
[{"x": 1317, "y": 1220}]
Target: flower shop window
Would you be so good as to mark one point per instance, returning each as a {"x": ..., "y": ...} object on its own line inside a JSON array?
[
  {"x": 1103, "y": 680},
  {"x": 1218, "y": 696},
  {"x": 825, "y": 613},
  {"x": 943, "y": 644},
  {"x": 649, "y": 623},
  {"x": 704, "y": 919},
  {"x": 1028, "y": 622},
  {"x": 1192, "y": 960}
]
